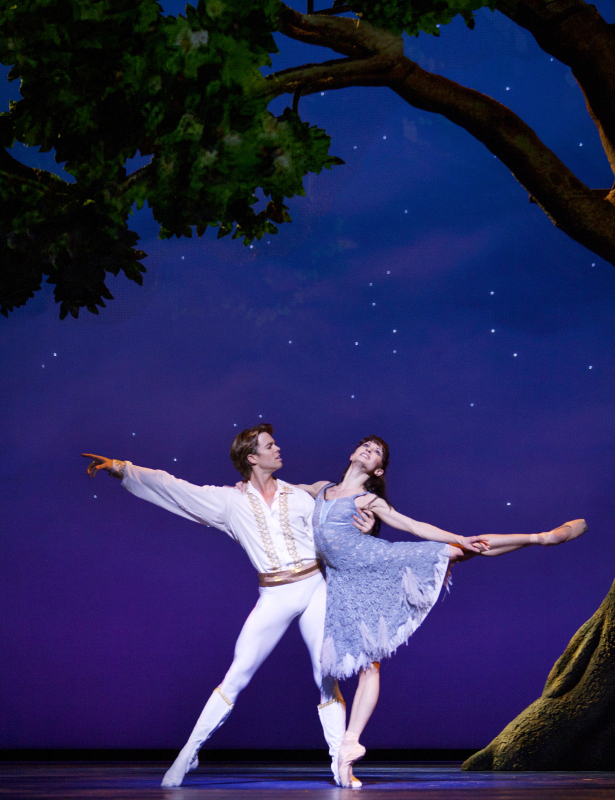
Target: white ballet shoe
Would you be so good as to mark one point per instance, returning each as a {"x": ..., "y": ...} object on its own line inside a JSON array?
[
  {"x": 176, "y": 773},
  {"x": 213, "y": 715},
  {"x": 348, "y": 754},
  {"x": 194, "y": 763},
  {"x": 564, "y": 533}
]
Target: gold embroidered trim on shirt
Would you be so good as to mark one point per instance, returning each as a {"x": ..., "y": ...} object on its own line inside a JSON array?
[
  {"x": 261, "y": 523},
  {"x": 288, "y": 531}
]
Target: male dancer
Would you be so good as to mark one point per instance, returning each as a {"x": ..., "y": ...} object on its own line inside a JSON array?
[{"x": 271, "y": 520}]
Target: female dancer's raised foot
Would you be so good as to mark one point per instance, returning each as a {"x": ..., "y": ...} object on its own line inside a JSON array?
[
  {"x": 499, "y": 543},
  {"x": 564, "y": 533}
]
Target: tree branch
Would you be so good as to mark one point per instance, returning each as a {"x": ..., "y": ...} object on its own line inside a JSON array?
[
  {"x": 15, "y": 168},
  {"x": 574, "y": 32},
  {"x": 140, "y": 175},
  {"x": 337, "y": 74},
  {"x": 583, "y": 214},
  {"x": 580, "y": 212},
  {"x": 350, "y": 37}
]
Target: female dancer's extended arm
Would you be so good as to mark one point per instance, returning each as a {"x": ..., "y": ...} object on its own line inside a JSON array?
[
  {"x": 475, "y": 544},
  {"x": 488, "y": 544}
]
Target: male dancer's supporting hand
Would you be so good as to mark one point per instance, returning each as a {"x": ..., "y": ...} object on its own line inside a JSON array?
[{"x": 364, "y": 520}]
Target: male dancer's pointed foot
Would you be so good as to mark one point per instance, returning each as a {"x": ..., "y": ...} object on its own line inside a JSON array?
[
  {"x": 184, "y": 762},
  {"x": 564, "y": 533},
  {"x": 216, "y": 711},
  {"x": 350, "y": 751}
]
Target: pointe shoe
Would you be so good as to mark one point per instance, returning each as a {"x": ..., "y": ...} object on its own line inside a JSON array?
[
  {"x": 333, "y": 719},
  {"x": 565, "y": 533},
  {"x": 175, "y": 775},
  {"x": 354, "y": 782},
  {"x": 349, "y": 753}
]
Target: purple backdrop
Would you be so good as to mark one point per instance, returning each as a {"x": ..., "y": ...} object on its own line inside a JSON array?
[{"x": 417, "y": 295}]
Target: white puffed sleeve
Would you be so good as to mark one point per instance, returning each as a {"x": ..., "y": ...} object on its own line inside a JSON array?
[{"x": 204, "y": 504}]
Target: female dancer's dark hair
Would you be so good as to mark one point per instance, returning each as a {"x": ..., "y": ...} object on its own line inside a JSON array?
[{"x": 375, "y": 483}]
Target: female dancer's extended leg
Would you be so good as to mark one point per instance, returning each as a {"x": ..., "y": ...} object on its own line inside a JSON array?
[
  {"x": 366, "y": 696},
  {"x": 499, "y": 544}
]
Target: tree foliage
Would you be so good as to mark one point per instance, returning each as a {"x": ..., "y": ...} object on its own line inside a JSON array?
[
  {"x": 104, "y": 80},
  {"x": 101, "y": 81},
  {"x": 418, "y": 15}
]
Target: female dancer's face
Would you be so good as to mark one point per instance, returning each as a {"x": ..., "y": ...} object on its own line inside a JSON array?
[{"x": 370, "y": 455}]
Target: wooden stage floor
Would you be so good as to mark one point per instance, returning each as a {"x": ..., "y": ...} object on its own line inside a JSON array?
[{"x": 381, "y": 781}]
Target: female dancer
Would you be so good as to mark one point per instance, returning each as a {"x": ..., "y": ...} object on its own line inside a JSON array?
[{"x": 379, "y": 592}]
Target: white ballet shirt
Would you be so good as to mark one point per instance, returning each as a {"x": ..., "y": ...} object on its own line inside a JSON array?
[{"x": 279, "y": 541}]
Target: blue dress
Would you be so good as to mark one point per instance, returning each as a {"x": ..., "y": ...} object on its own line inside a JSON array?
[{"x": 378, "y": 592}]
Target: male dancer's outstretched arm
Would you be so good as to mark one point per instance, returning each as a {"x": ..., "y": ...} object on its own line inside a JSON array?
[{"x": 272, "y": 522}]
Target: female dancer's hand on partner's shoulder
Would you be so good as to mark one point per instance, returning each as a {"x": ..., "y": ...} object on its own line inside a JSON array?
[
  {"x": 97, "y": 463},
  {"x": 311, "y": 488}
]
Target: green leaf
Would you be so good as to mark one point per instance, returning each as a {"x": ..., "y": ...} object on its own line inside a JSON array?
[
  {"x": 413, "y": 16},
  {"x": 102, "y": 80}
]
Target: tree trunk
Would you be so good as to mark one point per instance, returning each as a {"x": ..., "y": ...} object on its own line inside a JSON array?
[{"x": 572, "y": 726}]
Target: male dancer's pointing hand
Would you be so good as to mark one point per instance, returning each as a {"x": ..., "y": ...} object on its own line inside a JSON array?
[{"x": 97, "y": 463}]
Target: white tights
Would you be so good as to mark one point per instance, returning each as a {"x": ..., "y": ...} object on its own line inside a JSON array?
[
  {"x": 270, "y": 618},
  {"x": 276, "y": 608}
]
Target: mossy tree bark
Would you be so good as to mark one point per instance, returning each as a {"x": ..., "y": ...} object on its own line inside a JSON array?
[{"x": 572, "y": 725}]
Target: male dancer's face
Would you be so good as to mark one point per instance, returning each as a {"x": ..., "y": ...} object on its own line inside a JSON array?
[{"x": 267, "y": 456}]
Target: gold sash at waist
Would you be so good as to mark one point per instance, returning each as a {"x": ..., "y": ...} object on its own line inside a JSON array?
[{"x": 289, "y": 575}]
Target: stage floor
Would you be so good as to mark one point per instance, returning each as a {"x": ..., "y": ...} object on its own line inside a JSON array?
[{"x": 392, "y": 781}]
